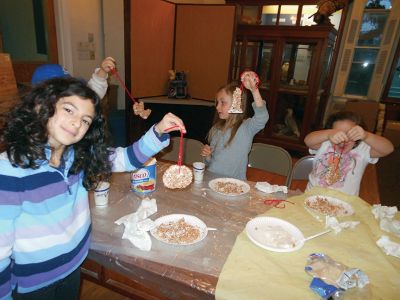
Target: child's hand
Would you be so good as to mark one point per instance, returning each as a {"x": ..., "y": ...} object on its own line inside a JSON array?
[
  {"x": 106, "y": 66},
  {"x": 206, "y": 151},
  {"x": 356, "y": 133},
  {"x": 338, "y": 137},
  {"x": 250, "y": 80},
  {"x": 169, "y": 123}
]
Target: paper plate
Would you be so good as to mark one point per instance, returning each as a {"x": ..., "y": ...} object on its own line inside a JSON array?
[
  {"x": 329, "y": 206},
  {"x": 174, "y": 235},
  {"x": 274, "y": 234},
  {"x": 213, "y": 184}
]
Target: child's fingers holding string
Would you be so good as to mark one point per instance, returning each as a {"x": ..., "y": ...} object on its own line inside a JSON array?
[{"x": 169, "y": 123}]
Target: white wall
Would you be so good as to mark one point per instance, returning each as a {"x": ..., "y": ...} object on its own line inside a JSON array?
[
  {"x": 75, "y": 20},
  {"x": 113, "y": 27},
  {"x": 104, "y": 20}
]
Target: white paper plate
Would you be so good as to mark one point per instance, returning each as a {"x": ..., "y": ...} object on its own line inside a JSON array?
[
  {"x": 262, "y": 231},
  {"x": 213, "y": 185},
  {"x": 192, "y": 220},
  {"x": 345, "y": 209}
]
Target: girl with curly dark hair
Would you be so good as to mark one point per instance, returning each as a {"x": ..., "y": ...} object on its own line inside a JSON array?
[{"x": 56, "y": 150}]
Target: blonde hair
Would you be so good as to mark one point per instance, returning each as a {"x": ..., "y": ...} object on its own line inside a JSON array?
[{"x": 234, "y": 120}]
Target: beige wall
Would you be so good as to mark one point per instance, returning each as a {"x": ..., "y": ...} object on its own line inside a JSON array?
[
  {"x": 113, "y": 18},
  {"x": 75, "y": 19}
]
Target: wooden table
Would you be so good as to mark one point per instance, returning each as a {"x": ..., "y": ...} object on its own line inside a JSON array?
[{"x": 167, "y": 272}]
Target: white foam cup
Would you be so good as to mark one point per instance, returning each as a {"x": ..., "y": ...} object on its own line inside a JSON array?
[
  {"x": 198, "y": 171},
  {"x": 101, "y": 193}
]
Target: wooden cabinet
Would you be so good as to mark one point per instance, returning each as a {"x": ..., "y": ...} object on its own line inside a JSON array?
[
  {"x": 294, "y": 60},
  {"x": 293, "y": 63},
  {"x": 197, "y": 116}
]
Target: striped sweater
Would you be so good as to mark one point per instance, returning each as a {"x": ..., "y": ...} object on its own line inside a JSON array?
[{"x": 45, "y": 220}]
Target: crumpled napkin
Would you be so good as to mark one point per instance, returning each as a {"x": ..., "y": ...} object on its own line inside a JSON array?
[
  {"x": 381, "y": 212},
  {"x": 333, "y": 223},
  {"x": 137, "y": 225},
  {"x": 270, "y": 188},
  {"x": 388, "y": 246},
  {"x": 385, "y": 215}
]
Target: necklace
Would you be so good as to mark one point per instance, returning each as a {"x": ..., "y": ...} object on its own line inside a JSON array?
[{"x": 334, "y": 173}]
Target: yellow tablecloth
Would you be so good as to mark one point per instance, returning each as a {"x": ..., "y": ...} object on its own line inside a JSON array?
[{"x": 251, "y": 272}]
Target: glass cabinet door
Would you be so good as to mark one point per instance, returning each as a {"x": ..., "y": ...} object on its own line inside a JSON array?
[
  {"x": 254, "y": 56},
  {"x": 293, "y": 91},
  {"x": 295, "y": 66},
  {"x": 289, "y": 114}
]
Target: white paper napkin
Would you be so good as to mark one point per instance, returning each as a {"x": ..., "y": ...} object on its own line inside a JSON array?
[
  {"x": 333, "y": 223},
  {"x": 385, "y": 215},
  {"x": 137, "y": 225},
  {"x": 381, "y": 212},
  {"x": 270, "y": 188},
  {"x": 388, "y": 246}
]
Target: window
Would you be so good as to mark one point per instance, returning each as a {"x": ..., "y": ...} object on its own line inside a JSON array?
[
  {"x": 394, "y": 90},
  {"x": 367, "y": 48}
]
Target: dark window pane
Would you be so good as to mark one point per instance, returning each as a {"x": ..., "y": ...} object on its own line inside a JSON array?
[
  {"x": 394, "y": 91},
  {"x": 264, "y": 69},
  {"x": 372, "y": 29},
  {"x": 383, "y": 4},
  {"x": 361, "y": 72},
  {"x": 269, "y": 14}
]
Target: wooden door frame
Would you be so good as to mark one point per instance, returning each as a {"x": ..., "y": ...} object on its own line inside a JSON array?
[{"x": 23, "y": 70}]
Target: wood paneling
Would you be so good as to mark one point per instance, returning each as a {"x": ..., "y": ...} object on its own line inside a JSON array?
[
  {"x": 203, "y": 46},
  {"x": 8, "y": 86},
  {"x": 152, "y": 44}
]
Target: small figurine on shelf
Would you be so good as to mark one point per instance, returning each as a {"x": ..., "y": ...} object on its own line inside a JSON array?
[
  {"x": 325, "y": 9},
  {"x": 291, "y": 123},
  {"x": 177, "y": 85}
]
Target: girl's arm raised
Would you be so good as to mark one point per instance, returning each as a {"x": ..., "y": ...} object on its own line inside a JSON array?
[
  {"x": 314, "y": 139},
  {"x": 250, "y": 82}
]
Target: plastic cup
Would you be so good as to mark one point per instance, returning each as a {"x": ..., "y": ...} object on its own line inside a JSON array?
[
  {"x": 101, "y": 193},
  {"x": 198, "y": 171}
]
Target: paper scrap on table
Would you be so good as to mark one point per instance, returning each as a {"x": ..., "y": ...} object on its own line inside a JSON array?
[
  {"x": 385, "y": 215},
  {"x": 270, "y": 188},
  {"x": 137, "y": 225},
  {"x": 333, "y": 223},
  {"x": 388, "y": 246},
  {"x": 381, "y": 212}
]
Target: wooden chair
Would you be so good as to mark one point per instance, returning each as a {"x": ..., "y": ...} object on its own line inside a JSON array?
[
  {"x": 191, "y": 151},
  {"x": 271, "y": 158},
  {"x": 367, "y": 109}
]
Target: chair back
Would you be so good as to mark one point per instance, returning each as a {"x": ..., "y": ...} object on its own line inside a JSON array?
[
  {"x": 368, "y": 111},
  {"x": 191, "y": 151},
  {"x": 301, "y": 169},
  {"x": 271, "y": 159}
]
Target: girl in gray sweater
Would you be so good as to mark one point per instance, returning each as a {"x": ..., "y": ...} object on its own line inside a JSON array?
[{"x": 231, "y": 136}]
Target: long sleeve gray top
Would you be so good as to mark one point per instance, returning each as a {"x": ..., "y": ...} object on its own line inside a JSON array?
[{"x": 231, "y": 161}]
